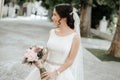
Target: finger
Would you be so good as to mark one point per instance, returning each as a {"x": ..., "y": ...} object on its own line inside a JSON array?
[
  {"x": 29, "y": 64},
  {"x": 44, "y": 74},
  {"x": 46, "y": 78}
]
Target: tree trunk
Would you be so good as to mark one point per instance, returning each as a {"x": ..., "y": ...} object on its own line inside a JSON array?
[
  {"x": 85, "y": 20},
  {"x": 114, "y": 49},
  {"x": 21, "y": 10},
  {"x": 50, "y": 13},
  {"x": 1, "y": 7}
]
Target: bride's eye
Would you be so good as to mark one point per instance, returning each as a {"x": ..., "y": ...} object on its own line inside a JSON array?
[{"x": 54, "y": 14}]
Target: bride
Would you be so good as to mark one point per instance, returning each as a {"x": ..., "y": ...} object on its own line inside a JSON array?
[{"x": 64, "y": 60}]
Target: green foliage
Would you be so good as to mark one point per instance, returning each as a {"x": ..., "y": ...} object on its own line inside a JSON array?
[
  {"x": 76, "y": 3},
  {"x": 110, "y": 3},
  {"x": 20, "y": 2},
  {"x": 38, "y": 0},
  {"x": 98, "y": 12},
  {"x": 49, "y": 4},
  {"x": 103, "y": 8},
  {"x": 6, "y": 1},
  {"x": 84, "y": 2}
]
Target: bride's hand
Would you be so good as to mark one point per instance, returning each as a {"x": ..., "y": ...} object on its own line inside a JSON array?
[
  {"x": 29, "y": 64},
  {"x": 37, "y": 65},
  {"x": 48, "y": 75}
]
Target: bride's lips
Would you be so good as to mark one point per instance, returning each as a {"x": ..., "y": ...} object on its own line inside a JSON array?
[{"x": 55, "y": 22}]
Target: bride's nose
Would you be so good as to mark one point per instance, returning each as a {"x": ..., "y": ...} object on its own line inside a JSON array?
[{"x": 52, "y": 18}]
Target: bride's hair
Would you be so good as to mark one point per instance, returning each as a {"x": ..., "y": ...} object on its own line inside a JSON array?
[{"x": 65, "y": 11}]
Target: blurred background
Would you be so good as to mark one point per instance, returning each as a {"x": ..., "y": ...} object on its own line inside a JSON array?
[{"x": 27, "y": 22}]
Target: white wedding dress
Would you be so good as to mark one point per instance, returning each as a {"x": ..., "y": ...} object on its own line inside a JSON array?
[{"x": 58, "y": 50}]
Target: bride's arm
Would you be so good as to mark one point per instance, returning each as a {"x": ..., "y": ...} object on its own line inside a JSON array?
[
  {"x": 73, "y": 52},
  {"x": 45, "y": 55},
  {"x": 37, "y": 65}
]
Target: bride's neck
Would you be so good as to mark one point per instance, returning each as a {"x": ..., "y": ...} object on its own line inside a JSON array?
[{"x": 64, "y": 28}]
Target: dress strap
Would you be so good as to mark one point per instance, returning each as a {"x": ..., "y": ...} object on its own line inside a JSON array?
[{"x": 51, "y": 33}]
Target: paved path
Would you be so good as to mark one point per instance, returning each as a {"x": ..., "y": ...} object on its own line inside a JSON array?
[
  {"x": 16, "y": 36},
  {"x": 96, "y": 69}
]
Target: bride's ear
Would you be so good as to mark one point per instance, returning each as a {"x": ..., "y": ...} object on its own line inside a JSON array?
[{"x": 64, "y": 19}]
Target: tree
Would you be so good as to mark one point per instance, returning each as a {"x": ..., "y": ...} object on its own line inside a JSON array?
[
  {"x": 85, "y": 22},
  {"x": 98, "y": 12},
  {"x": 114, "y": 49},
  {"x": 49, "y": 4},
  {"x": 1, "y": 7},
  {"x": 6, "y": 1},
  {"x": 20, "y": 3}
]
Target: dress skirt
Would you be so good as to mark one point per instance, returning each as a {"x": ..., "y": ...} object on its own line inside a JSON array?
[{"x": 65, "y": 75}]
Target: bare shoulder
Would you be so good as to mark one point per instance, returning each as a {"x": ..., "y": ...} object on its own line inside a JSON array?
[
  {"x": 50, "y": 33},
  {"x": 51, "y": 30}
]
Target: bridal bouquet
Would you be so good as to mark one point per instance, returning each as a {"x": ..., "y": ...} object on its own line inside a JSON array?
[{"x": 33, "y": 54}]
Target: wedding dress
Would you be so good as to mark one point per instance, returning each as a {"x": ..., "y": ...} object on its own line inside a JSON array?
[{"x": 58, "y": 50}]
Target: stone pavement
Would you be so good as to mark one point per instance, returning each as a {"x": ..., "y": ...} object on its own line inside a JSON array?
[
  {"x": 96, "y": 69},
  {"x": 17, "y": 35}
]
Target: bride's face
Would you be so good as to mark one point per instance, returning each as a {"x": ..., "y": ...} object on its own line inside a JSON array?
[{"x": 56, "y": 18}]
